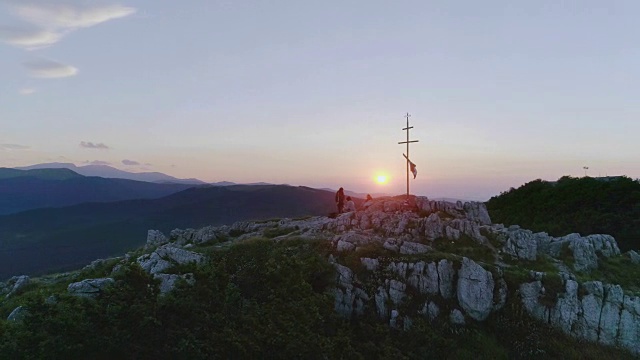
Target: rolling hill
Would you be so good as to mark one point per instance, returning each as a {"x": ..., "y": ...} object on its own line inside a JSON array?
[
  {"x": 22, "y": 190},
  {"x": 55, "y": 239}
]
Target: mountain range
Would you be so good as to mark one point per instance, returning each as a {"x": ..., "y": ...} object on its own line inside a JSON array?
[
  {"x": 22, "y": 190},
  {"x": 106, "y": 171},
  {"x": 53, "y": 239}
]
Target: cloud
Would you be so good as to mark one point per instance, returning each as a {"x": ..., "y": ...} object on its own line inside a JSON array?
[
  {"x": 27, "y": 91},
  {"x": 130, "y": 162},
  {"x": 98, "y": 162},
  {"x": 57, "y": 18},
  {"x": 49, "y": 69},
  {"x": 12, "y": 147},
  {"x": 30, "y": 39},
  {"x": 90, "y": 145}
]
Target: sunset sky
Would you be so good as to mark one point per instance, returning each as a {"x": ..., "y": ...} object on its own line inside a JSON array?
[{"x": 314, "y": 93}]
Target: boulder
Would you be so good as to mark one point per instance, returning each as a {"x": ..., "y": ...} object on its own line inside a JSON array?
[
  {"x": 16, "y": 284},
  {"x": 635, "y": 257},
  {"x": 456, "y": 317},
  {"x": 89, "y": 287},
  {"x": 433, "y": 227},
  {"x": 475, "y": 290}
]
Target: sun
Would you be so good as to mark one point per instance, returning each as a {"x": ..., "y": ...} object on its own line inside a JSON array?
[{"x": 381, "y": 179}]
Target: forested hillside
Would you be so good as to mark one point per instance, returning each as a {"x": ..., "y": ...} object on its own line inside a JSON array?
[{"x": 585, "y": 205}]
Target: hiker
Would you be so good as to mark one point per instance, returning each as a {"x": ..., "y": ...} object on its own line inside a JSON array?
[
  {"x": 340, "y": 200},
  {"x": 350, "y": 205}
]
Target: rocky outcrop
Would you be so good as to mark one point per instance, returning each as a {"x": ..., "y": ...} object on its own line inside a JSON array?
[
  {"x": 592, "y": 311},
  {"x": 89, "y": 287},
  {"x": 14, "y": 285},
  {"x": 634, "y": 256},
  {"x": 475, "y": 290},
  {"x": 168, "y": 282},
  {"x": 519, "y": 244},
  {"x": 167, "y": 256}
]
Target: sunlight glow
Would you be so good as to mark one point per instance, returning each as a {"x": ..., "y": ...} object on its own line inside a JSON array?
[{"x": 381, "y": 179}]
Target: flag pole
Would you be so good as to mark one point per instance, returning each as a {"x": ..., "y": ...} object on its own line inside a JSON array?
[{"x": 407, "y": 156}]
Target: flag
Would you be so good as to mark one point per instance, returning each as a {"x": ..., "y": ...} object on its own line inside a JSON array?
[{"x": 412, "y": 166}]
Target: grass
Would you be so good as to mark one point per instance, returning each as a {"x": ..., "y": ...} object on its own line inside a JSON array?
[
  {"x": 617, "y": 270},
  {"x": 467, "y": 247}
]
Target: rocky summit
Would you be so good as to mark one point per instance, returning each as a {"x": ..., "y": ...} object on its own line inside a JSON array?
[{"x": 404, "y": 258}]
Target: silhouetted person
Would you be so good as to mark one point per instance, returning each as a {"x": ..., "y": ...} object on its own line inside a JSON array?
[
  {"x": 340, "y": 200},
  {"x": 350, "y": 205}
]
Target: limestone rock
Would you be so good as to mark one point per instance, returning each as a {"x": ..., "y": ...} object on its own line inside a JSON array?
[
  {"x": 89, "y": 287},
  {"x": 397, "y": 291},
  {"x": 584, "y": 255},
  {"x": 381, "y": 299},
  {"x": 392, "y": 245},
  {"x": 344, "y": 276},
  {"x": 370, "y": 264},
  {"x": 18, "y": 314},
  {"x": 475, "y": 290},
  {"x": 530, "y": 294},
  {"x": 414, "y": 248},
  {"x": 456, "y": 317},
  {"x": 16, "y": 284},
  {"x": 343, "y": 246},
  {"x": 477, "y": 212},
  {"x": 565, "y": 312},
  {"x": 521, "y": 244},
  {"x": 445, "y": 278},
  {"x": 155, "y": 238},
  {"x": 604, "y": 245},
  {"x": 635, "y": 257},
  {"x": 168, "y": 281},
  {"x": 424, "y": 278},
  {"x": 610, "y": 316},
  {"x": 433, "y": 227},
  {"x": 166, "y": 256}
]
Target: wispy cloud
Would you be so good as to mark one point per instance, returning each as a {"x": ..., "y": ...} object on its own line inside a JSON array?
[
  {"x": 28, "y": 38},
  {"x": 27, "y": 91},
  {"x": 90, "y": 145},
  {"x": 12, "y": 147},
  {"x": 55, "y": 19},
  {"x": 130, "y": 162},
  {"x": 49, "y": 69}
]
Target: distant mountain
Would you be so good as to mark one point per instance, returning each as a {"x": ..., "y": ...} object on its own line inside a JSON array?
[
  {"x": 111, "y": 172},
  {"x": 22, "y": 190},
  {"x": 44, "y": 240},
  {"x": 45, "y": 174}
]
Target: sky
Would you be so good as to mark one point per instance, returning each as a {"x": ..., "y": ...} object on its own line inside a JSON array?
[{"x": 315, "y": 93}]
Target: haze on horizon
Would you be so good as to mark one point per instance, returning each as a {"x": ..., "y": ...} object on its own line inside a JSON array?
[{"x": 314, "y": 94}]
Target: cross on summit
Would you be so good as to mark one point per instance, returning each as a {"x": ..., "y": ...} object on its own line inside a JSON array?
[{"x": 410, "y": 165}]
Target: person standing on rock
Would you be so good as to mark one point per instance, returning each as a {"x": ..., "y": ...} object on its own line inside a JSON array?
[{"x": 340, "y": 200}]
